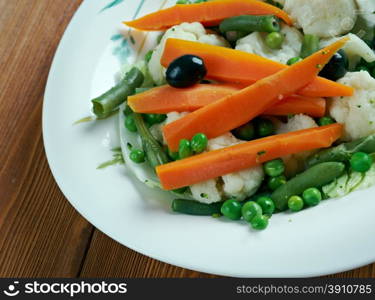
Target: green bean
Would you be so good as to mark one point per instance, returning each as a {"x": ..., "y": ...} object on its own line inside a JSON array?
[
  {"x": 196, "y": 208},
  {"x": 316, "y": 176},
  {"x": 108, "y": 102},
  {"x": 154, "y": 152},
  {"x": 249, "y": 23},
  {"x": 344, "y": 151},
  {"x": 310, "y": 45}
]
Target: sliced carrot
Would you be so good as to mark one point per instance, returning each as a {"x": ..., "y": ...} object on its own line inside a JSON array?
[
  {"x": 293, "y": 105},
  {"x": 229, "y": 65},
  {"x": 208, "y": 13},
  {"x": 234, "y": 110},
  {"x": 165, "y": 99},
  {"x": 224, "y": 161}
]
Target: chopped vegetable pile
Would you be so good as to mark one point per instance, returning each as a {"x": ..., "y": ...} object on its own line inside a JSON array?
[{"x": 247, "y": 108}]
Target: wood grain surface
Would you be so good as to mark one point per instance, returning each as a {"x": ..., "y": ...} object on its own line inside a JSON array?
[{"x": 41, "y": 235}]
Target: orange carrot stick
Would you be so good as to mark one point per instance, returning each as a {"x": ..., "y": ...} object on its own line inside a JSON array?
[
  {"x": 165, "y": 99},
  {"x": 293, "y": 105},
  {"x": 234, "y": 110},
  {"x": 224, "y": 161},
  {"x": 208, "y": 13},
  {"x": 229, "y": 65}
]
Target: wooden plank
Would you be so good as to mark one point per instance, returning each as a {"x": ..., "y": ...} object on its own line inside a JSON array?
[
  {"x": 107, "y": 258},
  {"x": 40, "y": 233}
]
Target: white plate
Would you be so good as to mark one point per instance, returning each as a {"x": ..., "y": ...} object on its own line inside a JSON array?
[{"x": 335, "y": 236}]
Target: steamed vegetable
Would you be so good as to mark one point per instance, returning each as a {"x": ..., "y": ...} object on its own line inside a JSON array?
[
  {"x": 267, "y": 205},
  {"x": 276, "y": 46},
  {"x": 231, "y": 65},
  {"x": 208, "y": 13},
  {"x": 344, "y": 152},
  {"x": 361, "y": 162},
  {"x": 357, "y": 112},
  {"x": 350, "y": 181},
  {"x": 259, "y": 222},
  {"x": 247, "y": 24},
  {"x": 107, "y": 103},
  {"x": 245, "y": 104},
  {"x": 231, "y": 209},
  {"x": 195, "y": 208},
  {"x": 274, "y": 40},
  {"x": 324, "y": 18},
  {"x": 312, "y": 196},
  {"x": 227, "y": 160},
  {"x": 295, "y": 203},
  {"x": 165, "y": 99},
  {"x": 316, "y": 176},
  {"x": 250, "y": 210},
  {"x": 153, "y": 151}
]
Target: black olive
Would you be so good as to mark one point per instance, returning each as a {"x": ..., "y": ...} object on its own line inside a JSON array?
[
  {"x": 186, "y": 71},
  {"x": 336, "y": 67}
]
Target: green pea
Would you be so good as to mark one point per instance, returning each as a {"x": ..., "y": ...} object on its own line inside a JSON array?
[
  {"x": 245, "y": 132},
  {"x": 312, "y": 196},
  {"x": 325, "y": 121},
  {"x": 137, "y": 156},
  {"x": 130, "y": 123},
  {"x": 361, "y": 162},
  {"x": 275, "y": 182},
  {"x": 231, "y": 209},
  {"x": 274, "y": 168},
  {"x": 251, "y": 209},
  {"x": 148, "y": 55},
  {"x": 267, "y": 205},
  {"x": 259, "y": 222},
  {"x": 274, "y": 40},
  {"x": 295, "y": 203},
  {"x": 199, "y": 143},
  {"x": 293, "y": 60},
  {"x": 264, "y": 127},
  {"x": 184, "y": 149},
  {"x": 153, "y": 119}
]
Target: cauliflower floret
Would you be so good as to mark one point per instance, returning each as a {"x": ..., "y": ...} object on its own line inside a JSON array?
[
  {"x": 206, "y": 192},
  {"x": 356, "y": 112},
  {"x": 355, "y": 48},
  {"x": 239, "y": 184},
  {"x": 297, "y": 122},
  {"x": 324, "y": 18},
  {"x": 367, "y": 9},
  {"x": 294, "y": 163},
  {"x": 185, "y": 31},
  {"x": 255, "y": 43},
  {"x": 174, "y": 116}
]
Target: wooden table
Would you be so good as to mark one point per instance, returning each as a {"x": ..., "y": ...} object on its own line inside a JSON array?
[{"x": 41, "y": 235}]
